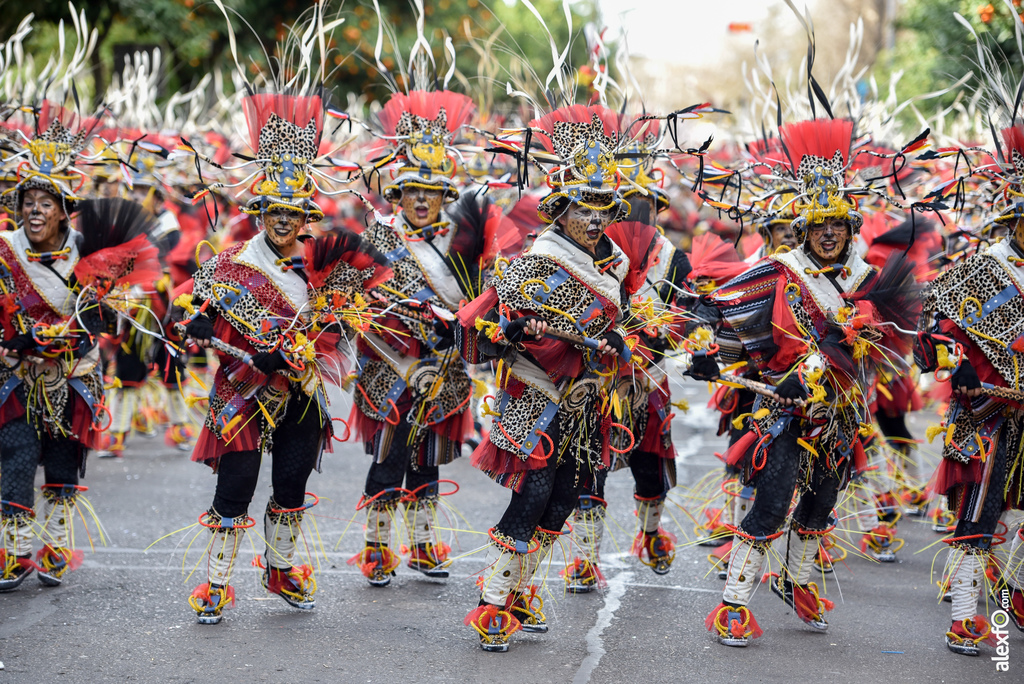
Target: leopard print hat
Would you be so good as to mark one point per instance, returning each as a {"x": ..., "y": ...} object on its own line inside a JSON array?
[
  {"x": 285, "y": 131},
  {"x": 584, "y": 140}
]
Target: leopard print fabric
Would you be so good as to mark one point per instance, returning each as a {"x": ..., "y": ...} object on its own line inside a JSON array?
[
  {"x": 525, "y": 276},
  {"x": 408, "y": 123},
  {"x": 982, "y": 277},
  {"x": 279, "y": 138}
]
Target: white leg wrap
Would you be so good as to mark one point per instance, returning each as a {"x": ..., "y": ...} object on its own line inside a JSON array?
[
  {"x": 744, "y": 571},
  {"x": 17, "y": 534},
  {"x": 587, "y": 531},
  {"x": 378, "y": 524},
  {"x": 177, "y": 413},
  {"x": 965, "y": 582},
  {"x": 419, "y": 521},
  {"x": 502, "y": 575},
  {"x": 281, "y": 530},
  {"x": 533, "y": 560},
  {"x": 123, "y": 404},
  {"x": 741, "y": 504},
  {"x": 1015, "y": 563},
  {"x": 648, "y": 512},
  {"x": 223, "y": 550},
  {"x": 57, "y": 510},
  {"x": 800, "y": 558}
]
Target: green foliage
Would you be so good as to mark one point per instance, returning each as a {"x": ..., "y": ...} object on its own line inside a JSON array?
[{"x": 192, "y": 36}]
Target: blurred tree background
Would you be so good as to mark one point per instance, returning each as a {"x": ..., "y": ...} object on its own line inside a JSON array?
[{"x": 192, "y": 35}]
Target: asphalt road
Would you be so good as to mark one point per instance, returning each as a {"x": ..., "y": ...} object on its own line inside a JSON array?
[{"x": 123, "y": 615}]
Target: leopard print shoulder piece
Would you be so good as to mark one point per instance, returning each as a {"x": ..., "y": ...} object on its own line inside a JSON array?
[{"x": 982, "y": 298}]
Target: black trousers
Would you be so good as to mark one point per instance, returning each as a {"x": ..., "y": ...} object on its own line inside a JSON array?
[
  {"x": 22, "y": 450},
  {"x": 775, "y": 484},
  {"x": 294, "y": 454}
]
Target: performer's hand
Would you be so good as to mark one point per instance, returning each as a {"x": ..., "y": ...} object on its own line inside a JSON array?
[
  {"x": 790, "y": 391},
  {"x": 525, "y": 326},
  {"x": 612, "y": 343},
  {"x": 445, "y": 330},
  {"x": 965, "y": 380},
  {"x": 703, "y": 367},
  {"x": 268, "y": 363},
  {"x": 17, "y": 344},
  {"x": 200, "y": 330}
]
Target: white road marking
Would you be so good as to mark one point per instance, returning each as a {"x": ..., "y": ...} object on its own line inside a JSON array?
[{"x": 595, "y": 645}]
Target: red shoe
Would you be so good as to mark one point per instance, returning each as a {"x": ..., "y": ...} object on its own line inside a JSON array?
[
  {"x": 964, "y": 636},
  {"x": 582, "y": 576},
  {"x": 430, "y": 559},
  {"x": 209, "y": 602},
  {"x": 659, "y": 548},
  {"x": 377, "y": 563},
  {"x": 296, "y": 585},
  {"x": 733, "y": 625}
]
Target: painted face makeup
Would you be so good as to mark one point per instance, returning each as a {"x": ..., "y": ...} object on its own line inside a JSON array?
[
  {"x": 783, "y": 236},
  {"x": 283, "y": 228},
  {"x": 827, "y": 240},
  {"x": 421, "y": 207},
  {"x": 42, "y": 214},
  {"x": 586, "y": 226}
]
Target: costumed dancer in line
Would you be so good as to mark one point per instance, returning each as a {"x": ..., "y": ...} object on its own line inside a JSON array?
[
  {"x": 643, "y": 388},
  {"x": 552, "y": 320},
  {"x": 809, "y": 319},
  {"x": 267, "y": 306},
  {"x": 972, "y": 332},
  {"x": 60, "y": 288},
  {"x": 413, "y": 390}
]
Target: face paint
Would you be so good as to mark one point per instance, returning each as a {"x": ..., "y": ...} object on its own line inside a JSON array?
[
  {"x": 283, "y": 228},
  {"x": 827, "y": 240},
  {"x": 586, "y": 226},
  {"x": 41, "y": 215},
  {"x": 420, "y": 206},
  {"x": 783, "y": 236}
]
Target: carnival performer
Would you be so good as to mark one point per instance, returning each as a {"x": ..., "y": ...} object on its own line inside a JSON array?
[
  {"x": 642, "y": 388},
  {"x": 266, "y": 306},
  {"x": 413, "y": 390},
  {"x": 61, "y": 287},
  {"x": 971, "y": 332},
  {"x": 809, "y": 319},
  {"x": 553, "y": 321}
]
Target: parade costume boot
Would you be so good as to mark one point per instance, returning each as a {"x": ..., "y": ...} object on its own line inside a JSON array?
[
  {"x": 968, "y": 628},
  {"x": 582, "y": 575},
  {"x": 211, "y": 599},
  {"x": 179, "y": 433},
  {"x": 56, "y": 559},
  {"x": 738, "y": 507},
  {"x": 943, "y": 521},
  {"x": 16, "y": 551},
  {"x": 295, "y": 584},
  {"x": 654, "y": 546},
  {"x": 793, "y": 584},
  {"x": 731, "y": 620},
  {"x": 879, "y": 526},
  {"x": 493, "y": 622},
  {"x": 429, "y": 554},
  {"x": 120, "y": 423},
  {"x": 525, "y": 602},
  {"x": 377, "y": 561}
]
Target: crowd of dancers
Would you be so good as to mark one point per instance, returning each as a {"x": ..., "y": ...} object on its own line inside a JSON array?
[{"x": 528, "y": 280}]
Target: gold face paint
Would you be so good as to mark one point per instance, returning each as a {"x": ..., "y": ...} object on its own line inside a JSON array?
[
  {"x": 827, "y": 240},
  {"x": 41, "y": 215},
  {"x": 586, "y": 226},
  {"x": 283, "y": 228},
  {"x": 421, "y": 206}
]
